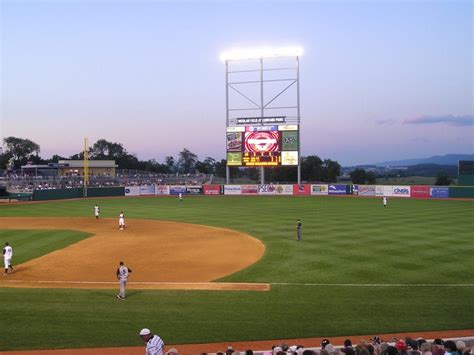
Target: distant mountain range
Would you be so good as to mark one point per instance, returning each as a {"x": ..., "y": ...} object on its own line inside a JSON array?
[{"x": 448, "y": 159}]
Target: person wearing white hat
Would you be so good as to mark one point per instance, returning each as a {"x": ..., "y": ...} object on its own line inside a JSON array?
[{"x": 154, "y": 344}]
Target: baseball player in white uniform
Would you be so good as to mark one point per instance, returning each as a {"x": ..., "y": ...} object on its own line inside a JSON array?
[
  {"x": 122, "y": 276},
  {"x": 385, "y": 201},
  {"x": 154, "y": 344},
  {"x": 7, "y": 258},
  {"x": 96, "y": 211},
  {"x": 180, "y": 197},
  {"x": 121, "y": 221}
]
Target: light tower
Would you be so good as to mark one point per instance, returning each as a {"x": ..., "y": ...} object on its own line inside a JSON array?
[{"x": 262, "y": 95}]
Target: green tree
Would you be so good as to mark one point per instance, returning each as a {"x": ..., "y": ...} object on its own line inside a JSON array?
[
  {"x": 4, "y": 160},
  {"x": 207, "y": 166},
  {"x": 220, "y": 168},
  {"x": 442, "y": 179},
  {"x": 358, "y": 176},
  {"x": 331, "y": 170},
  {"x": 311, "y": 168},
  {"x": 187, "y": 161},
  {"x": 55, "y": 158},
  {"x": 370, "y": 177},
  {"x": 21, "y": 149},
  {"x": 169, "y": 161}
]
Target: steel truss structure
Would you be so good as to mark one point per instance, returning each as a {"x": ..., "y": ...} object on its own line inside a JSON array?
[{"x": 262, "y": 86}]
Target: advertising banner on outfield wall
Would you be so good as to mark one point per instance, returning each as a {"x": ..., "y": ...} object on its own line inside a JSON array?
[
  {"x": 232, "y": 190},
  {"x": 249, "y": 189},
  {"x": 284, "y": 189},
  {"x": 382, "y": 190},
  {"x": 401, "y": 191},
  {"x": 366, "y": 190},
  {"x": 177, "y": 189},
  {"x": 147, "y": 190},
  {"x": 439, "y": 192},
  {"x": 193, "y": 190},
  {"x": 162, "y": 190},
  {"x": 212, "y": 189},
  {"x": 420, "y": 191},
  {"x": 304, "y": 189},
  {"x": 319, "y": 189},
  {"x": 337, "y": 189},
  {"x": 132, "y": 190},
  {"x": 266, "y": 189}
]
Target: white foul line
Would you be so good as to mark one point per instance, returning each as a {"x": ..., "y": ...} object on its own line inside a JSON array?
[
  {"x": 246, "y": 283},
  {"x": 369, "y": 285}
]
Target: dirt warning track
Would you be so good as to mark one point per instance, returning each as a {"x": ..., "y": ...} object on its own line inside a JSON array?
[{"x": 162, "y": 255}]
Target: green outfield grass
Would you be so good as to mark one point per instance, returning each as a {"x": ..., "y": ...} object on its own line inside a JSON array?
[{"x": 409, "y": 257}]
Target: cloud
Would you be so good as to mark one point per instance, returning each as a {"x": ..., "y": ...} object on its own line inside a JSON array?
[
  {"x": 386, "y": 122},
  {"x": 451, "y": 120}
]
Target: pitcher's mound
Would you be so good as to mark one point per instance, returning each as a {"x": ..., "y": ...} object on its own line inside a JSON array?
[{"x": 162, "y": 255}]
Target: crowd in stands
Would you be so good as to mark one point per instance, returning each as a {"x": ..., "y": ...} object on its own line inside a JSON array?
[
  {"x": 27, "y": 184},
  {"x": 374, "y": 346}
]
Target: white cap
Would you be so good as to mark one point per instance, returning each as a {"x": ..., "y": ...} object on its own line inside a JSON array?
[{"x": 145, "y": 331}]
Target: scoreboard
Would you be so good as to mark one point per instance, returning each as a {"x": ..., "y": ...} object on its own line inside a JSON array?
[
  {"x": 261, "y": 159},
  {"x": 263, "y": 145}
]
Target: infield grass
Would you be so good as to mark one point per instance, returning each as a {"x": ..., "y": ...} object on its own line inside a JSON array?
[{"x": 345, "y": 241}]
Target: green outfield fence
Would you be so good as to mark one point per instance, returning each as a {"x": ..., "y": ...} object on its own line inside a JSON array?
[
  {"x": 58, "y": 194},
  {"x": 461, "y": 192}
]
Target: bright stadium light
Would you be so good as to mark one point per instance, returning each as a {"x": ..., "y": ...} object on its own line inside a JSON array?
[{"x": 265, "y": 52}]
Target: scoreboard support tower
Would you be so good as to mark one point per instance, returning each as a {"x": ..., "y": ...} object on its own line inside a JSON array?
[{"x": 262, "y": 84}]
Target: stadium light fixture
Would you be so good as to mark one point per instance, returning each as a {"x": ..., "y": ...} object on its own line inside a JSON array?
[{"x": 265, "y": 52}]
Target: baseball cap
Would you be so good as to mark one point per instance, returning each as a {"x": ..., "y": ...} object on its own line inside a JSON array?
[
  {"x": 171, "y": 351},
  {"x": 324, "y": 342},
  {"x": 145, "y": 331}
]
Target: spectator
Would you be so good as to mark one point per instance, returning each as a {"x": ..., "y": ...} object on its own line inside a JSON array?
[
  {"x": 154, "y": 344},
  {"x": 425, "y": 348},
  {"x": 438, "y": 347},
  {"x": 391, "y": 350},
  {"x": 326, "y": 345},
  {"x": 461, "y": 346},
  {"x": 450, "y": 348}
]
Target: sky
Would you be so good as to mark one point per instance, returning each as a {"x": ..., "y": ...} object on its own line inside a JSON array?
[{"x": 379, "y": 80}]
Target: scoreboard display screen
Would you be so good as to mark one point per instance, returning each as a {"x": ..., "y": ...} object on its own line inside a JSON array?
[
  {"x": 261, "y": 159},
  {"x": 263, "y": 146}
]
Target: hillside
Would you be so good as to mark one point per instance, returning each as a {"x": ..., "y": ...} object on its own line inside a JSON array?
[{"x": 448, "y": 159}]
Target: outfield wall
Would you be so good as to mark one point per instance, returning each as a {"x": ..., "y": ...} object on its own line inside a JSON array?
[
  {"x": 59, "y": 194},
  {"x": 398, "y": 191}
]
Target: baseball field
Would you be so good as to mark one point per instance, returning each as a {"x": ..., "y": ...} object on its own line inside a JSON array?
[{"x": 227, "y": 268}]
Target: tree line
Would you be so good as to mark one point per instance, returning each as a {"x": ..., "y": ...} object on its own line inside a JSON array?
[{"x": 21, "y": 151}]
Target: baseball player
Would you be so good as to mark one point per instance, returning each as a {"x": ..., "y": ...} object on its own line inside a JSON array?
[
  {"x": 299, "y": 226},
  {"x": 385, "y": 201},
  {"x": 154, "y": 344},
  {"x": 121, "y": 221},
  {"x": 180, "y": 197},
  {"x": 96, "y": 211},
  {"x": 122, "y": 276},
  {"x": 7, "y": 258}
]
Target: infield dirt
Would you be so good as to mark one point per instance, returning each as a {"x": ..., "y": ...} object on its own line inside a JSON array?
[{"x": 162, "y": 255}]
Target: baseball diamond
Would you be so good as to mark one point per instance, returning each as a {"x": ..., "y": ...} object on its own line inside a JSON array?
[{"x": 167, "y": 255}]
